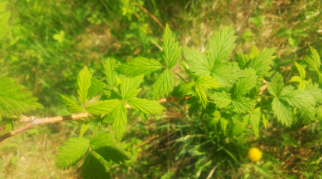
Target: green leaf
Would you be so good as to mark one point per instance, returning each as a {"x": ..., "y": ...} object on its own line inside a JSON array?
[
  {"x": 128, "y": 86},
  {"x": 96, "y": 87},
  {"x": 202, "y": 96},
  {"x": 163, "y": 85},
  {"x": 243, "y": 104},
  {"x": 223, "y": 124},
  {"x": 319, "y": 113},
  {"x": 93, "y": 168},
  {"x": 103, "y": 107},
  {"x": 262, "y": 61},
  {"x": 297, "y": 98},
  {"x": 313, "y": 59},
  {"x": 221, "y": 99},
  {"x": 9, "y": 126},
  {"x": 222, "y": 45},
  {"x": 265, "y": 121},
  {"x": 109, "y": 69},
  {"x": 207, "y": 82},
  {"x": 4, "y": 18},
  {"x": 296, "y": 78},
  {"x": 240, "y": 126},
  {"x": 301, "y": 70},
  {"x": 282, "y": 111},
  {"x": 71, "y": 152},
  {"x": 83, "y": 129},
  {"x": 308, "y": 114},
  {"x": 139, "y": 66},
  {"x": 171, "y": 49},
  {"x": 104, "y": 145},
  {"x": 84, "y": 82},
  {"x": 226, "y": 75},
  {"x": 185, "y": 88},
  {"x": 14, "y": 99},
  {"x": 120, "y": 120},
  {"x": 254, "y": 52},
  {"x": 315, "y": 91},
  {"x": 242, "y": 60},
  {"x": 255, "y": 117},
  {"x": 276, "y": 86},
  {"x": 146, "y": 106},
  {"x": 3, "y": 4},
  {"x": 320, "y": 77},
  {"x": 72, "y": 106},
  {"x": 245, "y": 84},
  {"x": 197, "y": 61}
]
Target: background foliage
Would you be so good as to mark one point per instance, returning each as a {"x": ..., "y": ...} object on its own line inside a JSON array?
[{"x": 49, "y": 42}]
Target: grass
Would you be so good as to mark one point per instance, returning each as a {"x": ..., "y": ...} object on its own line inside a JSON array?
[{"x": 172, "y": 145}]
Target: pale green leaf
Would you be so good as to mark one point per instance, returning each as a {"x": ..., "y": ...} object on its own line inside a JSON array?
[
  {"x": 301, "y": 70},
  {"x": 243, "y": 104},
  {"x": 171, "y": 49},
  {"x": 315, "y": 91},
  {"x": 265, "y": 121},
  {"x": 104, "y": 145},
  {"x": 245, "y": 84},
  {"x": 297, "y": 98},
  {"x": 201, "y": 95},
  {"x": 254, "y": 52},
  {"x": 262, "y": 61},
  {"x": 240, "y": 126},
  {"x": 109, "y": 69},
  {"x": 163, "y": 85},
  {"x": 207, "y": 82},
  {"x": 308, "y": 114},
  {"x": 319, "y": 113},
  {"x": 313, "y": 59},
  {"x": 96, "y": 87},
  {"x": 129, "y": 85},
  {"x": 197, "y": 61},
  {"x": 223, "y": 124},
  {"x": 319, "y": 77},
  {"x": 226, "y": 75},
  {"x": 14, "y": 99},
  {"x": 276, "y": 85},
  {"x": 84, "y": 82},
  {"x": 222, "y": 45},
  {"x": 72, "y": 106},
  {"x": 83, "y": 129},
  {"x": 146, "y": 106},
  {"x": 3, "y": 5},
  {"x": 120, "y": 120},
  {"x": 93, "y": 167},
  {"x": 185, "y": 88},
  {"x": 71, "y": 152},
  {"x": 282, "y": 111},
  {"x": 103, "y": 107},
  {"x": 4, "y": 18},
  {"x": 242, "y": 60},
  {"x": 139, "y": 66},
  {"x": 296, "y": 78},
  {"x": 255, "y": 117},
  {"x": 221, "y": 99}
]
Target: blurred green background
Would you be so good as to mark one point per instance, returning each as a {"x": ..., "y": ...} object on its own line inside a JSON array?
[{"x": 49, "y": 42}]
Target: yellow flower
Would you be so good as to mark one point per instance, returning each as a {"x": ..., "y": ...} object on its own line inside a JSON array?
[{"x": 254, "y": 154}]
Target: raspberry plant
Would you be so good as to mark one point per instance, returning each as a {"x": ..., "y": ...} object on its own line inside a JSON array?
[{"x": 230, "y": 94}]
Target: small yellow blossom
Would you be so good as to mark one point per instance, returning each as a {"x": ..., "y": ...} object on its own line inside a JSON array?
[{"x": 254, "y": 154}]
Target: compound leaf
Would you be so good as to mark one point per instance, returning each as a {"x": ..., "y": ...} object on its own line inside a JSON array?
[
  {"x": 72, "y": 106},
  {"x": 313, "y": 59},
  {"x": 146, "y": 106},
  {"x": 255, "y": 117},
  {"x": 240, "y": 126},
  {"x": 242, "y": 60},
  {"x": 84, "y": 82},
  {"x": 185, "y": 88},
  {"x": 297, "y": 98},
  {"x": 221, "y": 99},
  {"x": 301, "y": 70},
  {"x": 163, "y": 85},
  {"x": 139, "y": 66},
  {"x": 207, "y": 82},
  {"x": 128, "y": 86},
  {"x": 171, "y": 49},
  {"x": 202, "y": 96},
  {"x": 226, "y": 75},
  {"x": 245, "y": 84},
  {"x": 197, "y": 61},
  {"x": 71, "y": 152},
  {"x": 262, "y": 61},
  {"x": 103, "y": 107}
]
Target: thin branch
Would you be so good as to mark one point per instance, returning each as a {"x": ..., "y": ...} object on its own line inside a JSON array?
[
  {"x": 151, "y": 15},
  {"x": 33, "y": 121}
]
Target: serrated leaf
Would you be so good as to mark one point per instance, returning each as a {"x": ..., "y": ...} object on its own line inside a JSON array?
[
  {"x": 71, "y": 152},
  {"x": 4, "y": 18},
  {"x": 319, "y": 113},
  {"x": 143, "y": 116},
  {"x": 84, "y": 82},
  {"x": 301, "y": 70},
  {"x": 83, "y": 129},
  {"x": 103, "y": 107},
  {"x": 222, "y": 45},
  {"x": 254, "y": 52},
  {"x": 226, "y": 75},
  {"x": 221, "y": 99},
  {"x": 276, "y": 85},
  {"x": 104, "y": 145},
  {"x": 120, "y": 120},
  {"x": 255, "y": 117},
  {"x": 223, "y": 124},
  {"x": 319, "y": 77},
  {"x": 109, "y": 69},
  {"x": 297, "y": 98},
  {"x": 245, "y": 84},
  {"x": 296, "y": 78},
  {"x": 282, "y": 111},
  {"x": 197, "y": 61},
  {"x": 315, "y": 91},
  {"x": 163, "y": 85},
  {"x": 207, "y": 82},
  {"x": 265, "y": 121},
  {"x": 171, "y": 49},
  {"x": 93, "y": 168},
  {"x": 14, "y": 99},
  {"x": 96, "y": 87},
  {"x": 3, "y": 4},
  {"x": 262, "y": 61},
  {"x": 243, "y": 104},
  {"x": 240, "y": 126},
  {"x": 129, "y": 85},
  {"x": 185, "y": 88},
  {"x": 201, "y": 95},
  {"x": 308, "y": 114},
  {"x": 313, "y": 59},
  {"x": 72, "y": 106},
  {"x": 146, "y": 106},
  {"x": 139, "y": 66},
  {"x": 242, "y": 60}
]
